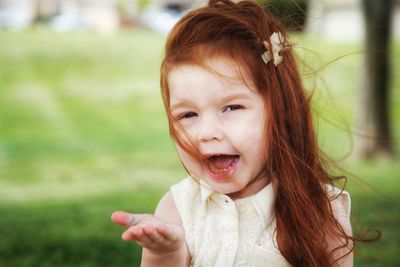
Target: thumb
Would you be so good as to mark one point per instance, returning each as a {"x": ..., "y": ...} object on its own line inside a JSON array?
[{"x": 124, "y": 218}]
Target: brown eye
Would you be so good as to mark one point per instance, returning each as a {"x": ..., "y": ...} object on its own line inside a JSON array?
[
  {"x": 187, "y": 115},
  {"x": 232, "y": 107}
]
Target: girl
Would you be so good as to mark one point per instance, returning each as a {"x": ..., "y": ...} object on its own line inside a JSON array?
[{"x": 258, "y": 193}]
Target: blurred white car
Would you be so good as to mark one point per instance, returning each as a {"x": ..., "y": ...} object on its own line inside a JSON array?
[
  {"x": 161, "y": 19},
  {"x": 67, "y": 22}
]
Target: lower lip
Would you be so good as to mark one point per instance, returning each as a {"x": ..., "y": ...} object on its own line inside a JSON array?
[{"x": 226, "y": 175}]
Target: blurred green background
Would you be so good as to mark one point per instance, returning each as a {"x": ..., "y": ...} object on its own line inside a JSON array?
[{"x": 83, "y": 133}]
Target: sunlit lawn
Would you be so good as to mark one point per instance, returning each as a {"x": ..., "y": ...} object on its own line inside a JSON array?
[{"x": 83, "y": 133}]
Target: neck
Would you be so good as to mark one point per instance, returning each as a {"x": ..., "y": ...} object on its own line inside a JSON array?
[{"x": 256, "y": 185}]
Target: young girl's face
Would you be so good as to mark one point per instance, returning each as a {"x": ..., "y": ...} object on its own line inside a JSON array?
[{"x": 224, "y": 119}]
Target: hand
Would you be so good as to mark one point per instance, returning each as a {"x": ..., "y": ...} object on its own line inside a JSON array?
[{"x": 151, "y": 232}]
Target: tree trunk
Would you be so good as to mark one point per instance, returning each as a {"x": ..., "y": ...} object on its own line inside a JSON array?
[
  {"x": 374, "y": 137},
  {"x": 315, "y": 17}
]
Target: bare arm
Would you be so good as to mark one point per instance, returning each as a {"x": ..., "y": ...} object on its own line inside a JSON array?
[
  {"x": 161, "y": 235},
  {"x": 341, "y": 212},
  {"x": 167, "y": 211}
]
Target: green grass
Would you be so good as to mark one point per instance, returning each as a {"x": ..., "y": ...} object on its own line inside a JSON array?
[{"x": 83, "y": 133}]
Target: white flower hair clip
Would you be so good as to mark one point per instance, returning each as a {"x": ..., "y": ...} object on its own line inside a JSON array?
[{"x": 278, "y": 44}]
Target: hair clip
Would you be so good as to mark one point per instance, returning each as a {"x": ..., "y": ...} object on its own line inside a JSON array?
[{"x": 278, "y": 44}]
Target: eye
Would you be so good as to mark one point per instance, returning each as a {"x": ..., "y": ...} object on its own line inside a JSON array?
[
  {"x": 232, "y": 108},
  {"x": 187, "y": 115}
]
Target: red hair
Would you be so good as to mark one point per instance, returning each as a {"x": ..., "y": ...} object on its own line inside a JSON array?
[{"x": 294, "y": 163}]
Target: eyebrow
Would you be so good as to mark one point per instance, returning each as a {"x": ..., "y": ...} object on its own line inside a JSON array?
[
  {"x": 227, "y": 98},
  {"x": 236, "y": 96},
  {"x": 179, "y": 104}
]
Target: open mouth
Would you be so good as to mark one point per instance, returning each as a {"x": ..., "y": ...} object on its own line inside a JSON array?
[{"x": 222, "y": 164}]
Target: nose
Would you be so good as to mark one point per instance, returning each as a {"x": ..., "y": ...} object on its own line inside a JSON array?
[{"x": 209, "y": 130}]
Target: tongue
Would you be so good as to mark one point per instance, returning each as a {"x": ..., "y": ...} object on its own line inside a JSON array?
[{"x": 221, "y": 163}]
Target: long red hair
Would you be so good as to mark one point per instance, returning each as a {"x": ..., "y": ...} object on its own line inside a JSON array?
[{"x": 294, "y": 163}]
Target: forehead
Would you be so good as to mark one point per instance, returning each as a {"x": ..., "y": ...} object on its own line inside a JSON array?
[
  {"x": 219, "y": 82},
  {"x": 217, "y": 73}
]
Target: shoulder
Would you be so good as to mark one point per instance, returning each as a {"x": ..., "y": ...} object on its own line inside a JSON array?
[
  {"x": 185, "y": 192},
  {"x": 340, "y": 201},
  {"x": 172, "y": 205},
  {"x": 187, "y": 185},
  {"x": 341, "y": 204},
  {"x": 166, "y": 209}
]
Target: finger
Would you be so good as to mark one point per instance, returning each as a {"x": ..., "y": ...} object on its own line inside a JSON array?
[
  {"x": 130, "y": 234},
  {"x": 137, "y": 234},
  {"x": 162, "y": 230},
  {"x": 153, "y": 234},
  {"x": 166, "y": 233},
  {"x": 124, "y": 218}
]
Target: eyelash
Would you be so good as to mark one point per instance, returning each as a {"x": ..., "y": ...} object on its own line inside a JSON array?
[
  {"x": 235, "y": 107},
  {"x": 191, "y": 114},
  {"x": 187, "y": 115}
]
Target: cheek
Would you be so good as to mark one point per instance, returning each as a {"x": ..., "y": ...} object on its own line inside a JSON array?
[
  {"x": 189, "y": 162},
  {"x": 253, "y": 139},
  {"x": 183, "y": 155},
  {"x": 185, "y": 134},
  {"x": 251, "y": 129}
]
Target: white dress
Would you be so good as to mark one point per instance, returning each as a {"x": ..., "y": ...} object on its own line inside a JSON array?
[{"x": 221, "y": 232}]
